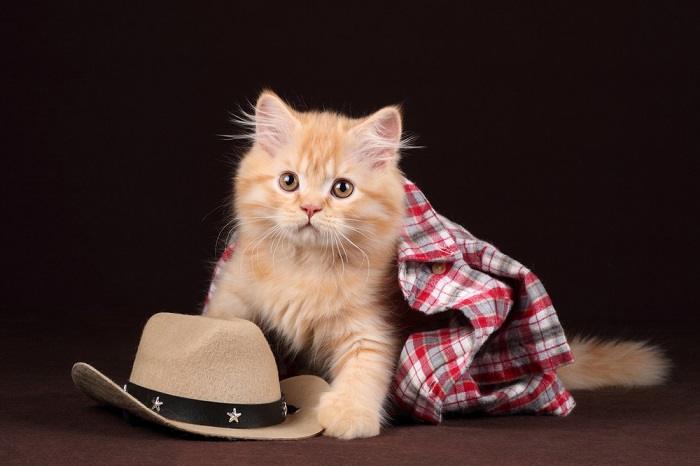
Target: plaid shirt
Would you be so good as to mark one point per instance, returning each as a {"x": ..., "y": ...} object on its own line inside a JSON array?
[{"x": 500, "y": 353}]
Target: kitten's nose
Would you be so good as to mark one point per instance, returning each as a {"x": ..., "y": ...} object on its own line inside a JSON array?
[{"x": 310, "y": 209}]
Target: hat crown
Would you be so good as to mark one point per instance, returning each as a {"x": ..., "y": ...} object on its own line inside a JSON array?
[{"x": 227, "y": 361}]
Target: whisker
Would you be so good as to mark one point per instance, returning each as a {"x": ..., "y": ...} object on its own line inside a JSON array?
[
  {"x": 218, "y": 235},
  {"x": 238, "y": 222},
  {"x": 366, "y": 257},
  {"x": 259, "y": 241},
  {"x": 342, "y": 262},
  {"x": 347, "y": 259},
  {"x": 359, "y": 230},
  {"x": 277, "y": 239}
]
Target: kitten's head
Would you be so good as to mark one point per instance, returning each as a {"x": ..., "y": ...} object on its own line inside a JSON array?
[{"x": 320, "y": 179}]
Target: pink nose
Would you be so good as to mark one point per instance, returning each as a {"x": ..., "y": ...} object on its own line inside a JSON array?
[{"x": 310, "y": 209}]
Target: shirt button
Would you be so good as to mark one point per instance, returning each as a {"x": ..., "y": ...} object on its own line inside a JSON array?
[{"x": 439, "y": 268}]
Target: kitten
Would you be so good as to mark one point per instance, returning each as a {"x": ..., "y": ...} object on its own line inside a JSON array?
[{"x": 319, "y": 201}]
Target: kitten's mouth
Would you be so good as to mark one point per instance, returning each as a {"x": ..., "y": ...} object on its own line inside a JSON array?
[{"x": 308, "y": 226}]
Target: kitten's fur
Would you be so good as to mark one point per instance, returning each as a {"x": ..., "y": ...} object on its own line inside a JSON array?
[{"x": 326, "y": 287}]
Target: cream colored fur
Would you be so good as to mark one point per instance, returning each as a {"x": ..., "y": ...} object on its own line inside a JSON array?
[
  {"x": 623, "y": 363},
  {"x": 323, "y": 283},
  {"x": 321, "y": 286}
]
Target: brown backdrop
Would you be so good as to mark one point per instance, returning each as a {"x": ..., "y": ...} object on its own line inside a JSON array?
[{"x": 566, "y": 134}]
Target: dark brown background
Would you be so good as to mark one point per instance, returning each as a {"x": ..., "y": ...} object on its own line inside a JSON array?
[{"x": 566, "y": 134}]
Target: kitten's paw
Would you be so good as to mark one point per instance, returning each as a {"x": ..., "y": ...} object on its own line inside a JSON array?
[{"x": 343, "y": 418}]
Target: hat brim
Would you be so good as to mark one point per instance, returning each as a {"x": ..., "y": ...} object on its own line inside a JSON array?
[{"x": 302, "y": 391}]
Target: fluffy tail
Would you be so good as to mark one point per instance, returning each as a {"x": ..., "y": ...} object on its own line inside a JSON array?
[{"x": 604, "y": 363}]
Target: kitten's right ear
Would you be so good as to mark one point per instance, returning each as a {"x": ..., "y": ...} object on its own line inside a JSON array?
[
  {"x": 378, "y": 137},
  {"x": 274, "y": 122}
]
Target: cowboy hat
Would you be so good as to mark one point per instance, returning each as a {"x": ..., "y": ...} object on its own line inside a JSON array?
[{"x": 210, "y": 377}]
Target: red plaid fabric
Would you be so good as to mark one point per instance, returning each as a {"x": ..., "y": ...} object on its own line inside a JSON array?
[
  {"x": 499, "y": 353},
  {"x": 500, "y": 359}
]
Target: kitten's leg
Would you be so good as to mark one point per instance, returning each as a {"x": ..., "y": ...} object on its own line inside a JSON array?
[
  {"x": 362, "y": 370},
  {"x": 225, "y": 303}
]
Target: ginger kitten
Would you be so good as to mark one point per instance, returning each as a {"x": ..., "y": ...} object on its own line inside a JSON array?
[
  {"x": 319, "y": 199},
  {"x": 319, "y": 202}
]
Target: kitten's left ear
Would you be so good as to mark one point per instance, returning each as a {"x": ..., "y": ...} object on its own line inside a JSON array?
[
  {"x": 378, "y": 137},
  {"x": 274, "y": 122}
]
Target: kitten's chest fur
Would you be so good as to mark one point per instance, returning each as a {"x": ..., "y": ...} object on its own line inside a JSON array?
[{"x": 308, "y": 301}]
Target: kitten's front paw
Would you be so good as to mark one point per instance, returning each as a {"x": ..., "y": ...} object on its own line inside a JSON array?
[{"x": 344, "y": 418}]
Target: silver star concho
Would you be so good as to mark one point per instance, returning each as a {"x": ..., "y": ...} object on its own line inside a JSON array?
[
  {"x": 284, "y": 408},
  {"x": 233, "y": 416},
  {"x": 156, "y": 404}
]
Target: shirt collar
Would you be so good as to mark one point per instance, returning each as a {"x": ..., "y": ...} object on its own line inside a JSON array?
[{"x": 424, "y": 237}]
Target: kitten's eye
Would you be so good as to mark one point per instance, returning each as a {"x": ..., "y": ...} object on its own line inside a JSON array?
[
  {"x": 289, "y": 181},
  {"x": 342, "y": 188}
]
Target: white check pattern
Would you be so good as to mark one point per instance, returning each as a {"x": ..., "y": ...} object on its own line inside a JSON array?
[{"x": 501, "y": 349}]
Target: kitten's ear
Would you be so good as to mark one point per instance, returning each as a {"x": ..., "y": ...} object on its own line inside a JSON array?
[
  {"x": 378, "y": 137},
  {"x": 274, "y": 122}
]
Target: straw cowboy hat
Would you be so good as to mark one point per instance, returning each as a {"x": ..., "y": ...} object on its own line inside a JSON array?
[{"x": 210, "y": 377}]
